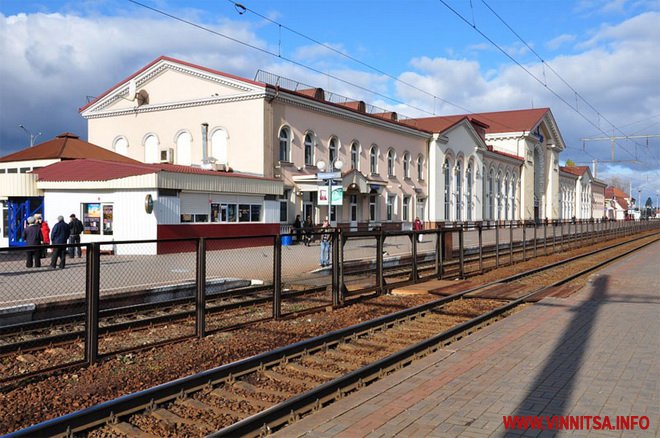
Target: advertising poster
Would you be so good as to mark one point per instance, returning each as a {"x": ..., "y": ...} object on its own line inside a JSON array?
[{"x": 92, "y": 218}]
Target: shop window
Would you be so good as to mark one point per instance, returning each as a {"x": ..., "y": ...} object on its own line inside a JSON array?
[
  {"x": 255, "y": 213},
  {"x": 97, "y": 218},
  {"x": 186, "y": 218}
]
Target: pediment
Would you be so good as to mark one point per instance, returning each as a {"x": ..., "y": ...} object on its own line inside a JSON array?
[{"x": 171, "y": 82}]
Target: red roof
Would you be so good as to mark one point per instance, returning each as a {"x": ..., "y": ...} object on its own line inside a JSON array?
[
  {"x": 98, "y": 170},
  {"x": 505, "y": 154},
  {"x": 66, "y": 146},
  {"x": 618, "y": 194},
  {"x": 574, "y": 170},
  {"x": 495, "y": 122}
]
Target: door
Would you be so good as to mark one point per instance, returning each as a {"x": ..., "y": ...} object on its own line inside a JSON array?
[{"x": 354, "y": 212}]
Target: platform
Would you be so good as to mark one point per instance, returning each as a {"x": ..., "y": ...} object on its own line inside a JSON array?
[{"x": 595, "y": 353}]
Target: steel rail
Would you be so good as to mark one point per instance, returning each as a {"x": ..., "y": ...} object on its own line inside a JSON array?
[{"x": 279, "y": 414}]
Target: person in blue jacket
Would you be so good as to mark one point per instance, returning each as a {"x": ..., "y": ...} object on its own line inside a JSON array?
[{"x": 59, "y": 235}]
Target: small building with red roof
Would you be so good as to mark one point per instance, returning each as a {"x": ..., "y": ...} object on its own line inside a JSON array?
[{"x": 617, "y": 203}]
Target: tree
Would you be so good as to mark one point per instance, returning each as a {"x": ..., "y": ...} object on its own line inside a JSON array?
[
  {"x": 649, "y": 202},
  {"x": 570, "y": 163}
]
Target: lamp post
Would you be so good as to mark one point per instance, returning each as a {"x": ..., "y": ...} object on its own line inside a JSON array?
[
  {"x": 30, "y": 135},
  {"x": 327, "y": 177}
]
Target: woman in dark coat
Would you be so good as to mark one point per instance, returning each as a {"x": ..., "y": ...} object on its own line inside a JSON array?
[{"x": 33, "y": 237}]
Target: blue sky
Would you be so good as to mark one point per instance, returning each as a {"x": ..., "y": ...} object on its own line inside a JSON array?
[{"x": 607, "y": 51}]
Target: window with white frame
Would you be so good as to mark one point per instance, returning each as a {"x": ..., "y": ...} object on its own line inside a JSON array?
[
  {"x": 390, "y": 162},
  {"x": 420, "y": 168},
  {"x": 120, "y": 145},
  {"x": 491, "y": 194},
  {"x": 468, "y": 192},
  {"x": 219, "y": 146},
  {"x": 405, "y": 209},
  {"x": 513, "y": 196},
  {"x": 507, "y": 195},
  {"x": 184, "y": 149},
  {"x": 391, "y": 202},
  {"x": 285, "y": 144},
  {"x": 309, "y": 149},
  {"x": 353, "y": 200},
  {"x": 333, "y": 150},
  {"x": 373, "y": 160},
  {"x": 406, "y": 165},
  {"x": 372, "y": 208},
  {"x": 355, "y": 155},
  {"x": 151, "y": 149},
  {"x": 446, "y": 171},
  {"x": 458, "y": 194},
  {"x": 284, "y": 206},
  {"x": 498, "y": 191}
]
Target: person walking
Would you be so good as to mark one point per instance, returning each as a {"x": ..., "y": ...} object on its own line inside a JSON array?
[
  {"x": 325, "y": 243},
  {"x": 418, "y": 226},
  {"x": 33, "y": 237},
  {"x": 297, "y": 228},
  {"x": 76, "y": 228},
  {"x": 45, "y": 232},
  {"x": 59, "y": 236}
]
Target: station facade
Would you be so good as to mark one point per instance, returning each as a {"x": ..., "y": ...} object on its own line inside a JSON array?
[{"x": 227, "y": 154}]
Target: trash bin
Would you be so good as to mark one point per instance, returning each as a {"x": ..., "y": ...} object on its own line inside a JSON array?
[{"x": 287, "y": 240}]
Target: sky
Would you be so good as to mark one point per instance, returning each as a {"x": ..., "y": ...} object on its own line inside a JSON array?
[{"x": 594, "y": 63}]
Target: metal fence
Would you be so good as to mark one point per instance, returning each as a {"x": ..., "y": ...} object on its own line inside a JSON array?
[{"x": 126, "y": 295}]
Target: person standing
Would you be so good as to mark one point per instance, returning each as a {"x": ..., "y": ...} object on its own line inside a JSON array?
[
  {"x": 59, "y": 236},
  {"x": 33, "y": 237},
  {"x": 76, "y": 228},
  {"x": 308, "y": 229},
  {"x": 297, "y": 228},
  {"x": 418, "y": 226},
  {"x": 325, "y": 243},
  {"x": 45, "y": 232}
]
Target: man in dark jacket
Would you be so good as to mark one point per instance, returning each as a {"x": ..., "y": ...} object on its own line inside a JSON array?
[
  {"x": 76, "y": 228},
  {"x": 58, "y": 236},
  {"x": 32, "y": 236}
]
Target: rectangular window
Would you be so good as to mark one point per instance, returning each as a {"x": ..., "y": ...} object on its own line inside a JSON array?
[
  {"x": 107, "y": 219},
  {"x": 372, "y": 208},
  {"x": 333, "y": 213},
  {"x": 255, "y": 213},
  {"x": 92, "y": 218},
  {"x": 284, "y": 206},
  {"x": 186, "y": 218},
  {"x": 391, "y": 199},
  {"x": 243, "y": 213},
  {"x": 25, "y": 169},
  {"x": 405, "y": 213},
  {"x": 201, "y": 218},
  {"x": 215, "y": 212},
  {"x": 231, "y": 213},
  {"x": 354, "y": 208},
  {"x": 14, "y": 170}
]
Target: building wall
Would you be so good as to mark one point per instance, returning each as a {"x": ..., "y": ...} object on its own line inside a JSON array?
[
  {"x": 345, "y": 129},
  {"x": 598, "y": 200}
]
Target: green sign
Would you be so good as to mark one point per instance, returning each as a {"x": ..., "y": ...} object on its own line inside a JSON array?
[{"x": 336, "y": 195}]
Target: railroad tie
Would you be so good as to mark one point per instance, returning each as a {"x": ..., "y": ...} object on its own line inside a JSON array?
[
  {"x": 248, "y": 387},
  {"x": 279, "y": 377},
  {"x": 171, "y": 418},
  {"x": 227, "y": 395},
  {"x": 312, "y": 371},
  {"x": 338, "y": 359},
  {"x": 130, "y": 430},
  {"x": 201, "y": 406}
]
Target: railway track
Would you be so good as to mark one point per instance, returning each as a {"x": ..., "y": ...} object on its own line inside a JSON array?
[{"x": 265, "y": 392}]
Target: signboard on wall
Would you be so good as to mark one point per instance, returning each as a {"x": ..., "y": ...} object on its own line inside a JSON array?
[{"x": 336, "y": 196}]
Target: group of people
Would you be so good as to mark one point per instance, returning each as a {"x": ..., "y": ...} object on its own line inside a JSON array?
[
  {"x": 37, "y": 233},
  {"x": 304, "y": 232}
]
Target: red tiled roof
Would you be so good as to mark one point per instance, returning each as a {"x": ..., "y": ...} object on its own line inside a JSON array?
[
  {"x": 505, "y": 154},
  {"x": 66, "y": 146},
  {"x": 499, "y": 121},
  {"x": 618, "y": 194},
  {"x": 98, "y": 170},
  {"x": 574, "y": 170}
]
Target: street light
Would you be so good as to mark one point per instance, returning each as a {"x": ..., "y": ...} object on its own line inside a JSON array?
[{"x": 30, "y": 135}]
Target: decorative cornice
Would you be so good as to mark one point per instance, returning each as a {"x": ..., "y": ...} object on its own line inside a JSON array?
[
  {"x": 325, "y": 108},
  {"x": 174, "y": 106}
]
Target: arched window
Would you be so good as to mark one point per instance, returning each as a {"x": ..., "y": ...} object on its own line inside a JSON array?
[
  {"x": 219, "y": 146},
  {"x": 507, "y": 196},
  {"x": 120, "y": 145},
  {"x": 420, "y": 168},
  {"x": 390, "y": 162},
  {"x": 373, "y": 159},
  {"x": 498, "y": 195},
  {"x": 458, "y": 194},
  {"x": 333, "y": 150},
  {"x": 514, "y": 183},
  {"x": 151, "y": 149},
  {"x": 446, "y": 170},
  {"x": 285, "y": 144},
  {"x": 309, "y": 149},
  {"x": 406, "y": 165},
  {"x": 184, "y": 149},
  {"x": 468, "y": 192},
  {"x": 491, "y": 194},
  {"x": 355, "y": 155}
]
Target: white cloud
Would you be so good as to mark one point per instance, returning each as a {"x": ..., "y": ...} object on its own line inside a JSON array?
[{"x": 559, "y": 41}]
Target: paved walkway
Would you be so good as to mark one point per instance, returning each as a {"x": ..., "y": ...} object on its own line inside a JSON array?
[{"x": 596, "y": 353}]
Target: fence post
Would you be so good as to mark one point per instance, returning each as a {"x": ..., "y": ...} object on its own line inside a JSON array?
[
  {"x": 497, "y": 245},
  {"x": 200, "y": 289},
  {"x": 92, "y": 290},
  {"x": 380, "y": 275},
  {"x": 535, "y": 243},
  {"x": 554, "y": 225},
  {"x": 277, "y": 276},
  {"x": 461, "y": 254},
  {"x": 511, "y": 243},
  {"x": 545, "y": 238},
  {"x": 481, "y": 249},
  {"x": 439, "y": 245},
  {"x": 524, "y": 225},
  {"x": 414, "y": 275},
  {"x": 337, "y": 266}
]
